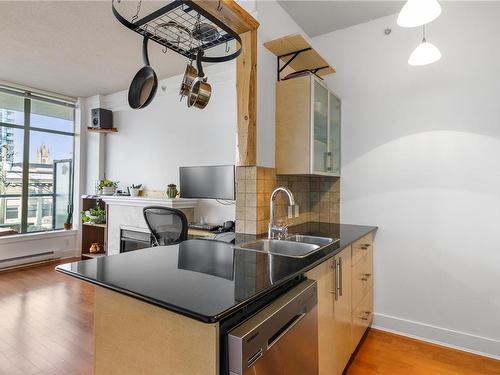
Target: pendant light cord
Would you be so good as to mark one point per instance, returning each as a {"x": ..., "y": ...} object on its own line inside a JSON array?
[{"x": 423, "y": 32}]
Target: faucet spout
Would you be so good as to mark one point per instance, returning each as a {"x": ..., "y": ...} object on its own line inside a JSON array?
[{"x": 273, "y": 229}]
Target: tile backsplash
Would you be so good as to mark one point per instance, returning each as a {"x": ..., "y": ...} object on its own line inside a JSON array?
[{"x": 318, "y": 198}]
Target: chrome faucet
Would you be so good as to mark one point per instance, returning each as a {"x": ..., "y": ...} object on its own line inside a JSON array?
[{"x": 280, "y": 232}]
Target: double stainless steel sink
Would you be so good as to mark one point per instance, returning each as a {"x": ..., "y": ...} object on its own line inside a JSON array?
[{"x": 296, "y": 246}]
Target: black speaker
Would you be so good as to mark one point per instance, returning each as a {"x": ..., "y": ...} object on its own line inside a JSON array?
[{"x": 102, "y": 118}]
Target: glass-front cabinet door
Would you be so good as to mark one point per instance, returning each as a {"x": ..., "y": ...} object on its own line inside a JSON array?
[
  {"x": 320, "y": 127},
  {"x": 326, "y": 130},
  {"x": 333, "y": 159}
]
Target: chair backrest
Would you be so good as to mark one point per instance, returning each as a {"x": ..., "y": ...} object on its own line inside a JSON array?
[{"x": 167, "y": 225}]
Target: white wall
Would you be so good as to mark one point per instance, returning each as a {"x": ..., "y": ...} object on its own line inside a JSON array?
[
  {"x": 274, "y": 23},
  {"x": 63, "y": 244},
  {"x": 421, "y": 150},
  {"x": 152, "y": 143}
]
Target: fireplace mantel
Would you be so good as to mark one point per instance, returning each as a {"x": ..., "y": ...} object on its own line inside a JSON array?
[
  {"x": 126, "y": 212},
  {"x": 150, "y": 201}
]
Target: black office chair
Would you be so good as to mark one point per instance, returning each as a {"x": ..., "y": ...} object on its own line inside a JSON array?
[{"x": 167, "y": 225}]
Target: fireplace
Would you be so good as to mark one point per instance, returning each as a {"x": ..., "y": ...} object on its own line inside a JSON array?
[{"x": 134, "y": 239}]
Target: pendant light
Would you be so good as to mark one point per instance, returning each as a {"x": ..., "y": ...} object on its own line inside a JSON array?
[
  {"x": 426, "y": 53},
  {"x": 418, "y": 12}
]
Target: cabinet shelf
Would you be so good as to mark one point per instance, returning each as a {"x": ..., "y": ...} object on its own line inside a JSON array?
[
  {"x": 95, "y": 225},
  {"x": 92, "y": 233},
  {"x": 103, "y": 131}
]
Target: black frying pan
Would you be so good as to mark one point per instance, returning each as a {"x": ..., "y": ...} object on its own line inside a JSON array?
[{"x": 143, "y": 87}]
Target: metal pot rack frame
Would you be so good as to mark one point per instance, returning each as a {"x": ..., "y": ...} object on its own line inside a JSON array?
[
  {"x": 188, "y": 15},
  {"x": 293, "y": 57}
]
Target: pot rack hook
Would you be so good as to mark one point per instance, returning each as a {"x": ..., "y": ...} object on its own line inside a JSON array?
[
  {"x": 134, "y": 18},
  {"x": 219, "y": 7}
]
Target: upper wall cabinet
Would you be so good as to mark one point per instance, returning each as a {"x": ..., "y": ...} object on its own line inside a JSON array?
[{"x": 307, "y": 127}]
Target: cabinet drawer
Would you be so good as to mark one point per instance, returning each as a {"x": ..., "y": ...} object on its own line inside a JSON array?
[
  {"x": 361, "y": 247},
  {"x": 362, "y": 317},
  {"x": 362, "y": 278}
]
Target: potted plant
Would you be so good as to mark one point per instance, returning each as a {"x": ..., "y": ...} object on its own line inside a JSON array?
[
  {"x": 172, "y": 191},
  {"x": 108, "y": 187},
  {"x": 68, "y": 224},
  {"x": 135, "y": 190},
  {"x": 94, "y": 216}
]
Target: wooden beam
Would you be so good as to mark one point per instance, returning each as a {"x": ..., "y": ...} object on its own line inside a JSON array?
[
  {"x": 233, "y": 15},
  {"x": 246, "y": 90}
]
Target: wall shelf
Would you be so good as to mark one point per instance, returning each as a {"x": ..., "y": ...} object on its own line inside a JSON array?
[
  {"x": 295, "y": 52},
  {"x": 105, "y": 131}
]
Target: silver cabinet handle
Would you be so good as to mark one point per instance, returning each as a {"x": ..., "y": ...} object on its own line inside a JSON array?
[
  {"x": 333, "y": 267},
  {"x": 340, "y": 288},
  {"x": 338, "y": 277},
  {"x": 330, "y": 163}
]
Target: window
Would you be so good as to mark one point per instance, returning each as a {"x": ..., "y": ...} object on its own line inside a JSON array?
[{"x": 37, "y": 136}]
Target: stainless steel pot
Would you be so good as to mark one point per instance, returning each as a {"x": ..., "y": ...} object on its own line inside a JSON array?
[
  {"x": 199, "y": 94},
  {"x": 200, "y": 90}
]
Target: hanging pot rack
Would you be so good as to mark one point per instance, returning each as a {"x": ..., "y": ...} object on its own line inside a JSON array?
[{"x": 184, "y": 27}]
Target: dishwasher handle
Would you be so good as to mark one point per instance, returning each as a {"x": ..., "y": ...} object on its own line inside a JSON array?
[{"x": 284, "y": 330}]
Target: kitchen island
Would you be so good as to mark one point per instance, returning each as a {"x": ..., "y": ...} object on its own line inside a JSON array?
[{"x": 166, "y": 309}]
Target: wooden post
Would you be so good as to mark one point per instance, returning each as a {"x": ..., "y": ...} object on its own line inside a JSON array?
[{"x": 246, "y": 89}]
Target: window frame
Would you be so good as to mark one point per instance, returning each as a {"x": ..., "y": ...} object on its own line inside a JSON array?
[{"x": 28, "y": 96}]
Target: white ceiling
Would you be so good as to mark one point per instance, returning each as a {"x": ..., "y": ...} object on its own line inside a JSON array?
[
  {"x": 75, "y": 48},
  {"x": 320, "y": 17},
  {"x": 78, "y": 48}
]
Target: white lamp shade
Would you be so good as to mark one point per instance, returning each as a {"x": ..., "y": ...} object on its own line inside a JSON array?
[
  {"x": 426, "y": 53},
  {"x": 418, "y": 12}
]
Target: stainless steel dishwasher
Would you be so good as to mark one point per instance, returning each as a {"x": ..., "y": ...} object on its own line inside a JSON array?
[{"x": 281, "y": 339}]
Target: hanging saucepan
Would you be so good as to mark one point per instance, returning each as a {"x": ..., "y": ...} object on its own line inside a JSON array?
[
  {"x": 143, "y": 87},
  {"x": 200, "y": 90},
  {"x": 189, "y": 76}
]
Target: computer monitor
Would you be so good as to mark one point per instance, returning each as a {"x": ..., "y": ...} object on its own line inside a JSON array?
[{"x": 212, "y": 182}]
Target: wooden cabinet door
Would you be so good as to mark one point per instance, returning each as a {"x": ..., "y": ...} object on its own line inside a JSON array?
[
  {"x": 334, "y": 312},
  {"x": 342, "y": 324},
  {"x": 323, "y": 274}
]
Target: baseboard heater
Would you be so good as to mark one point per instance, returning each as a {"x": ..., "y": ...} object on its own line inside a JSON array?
[{"x": 48, "y": 254}]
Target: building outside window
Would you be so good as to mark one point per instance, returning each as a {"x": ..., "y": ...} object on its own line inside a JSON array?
[{"x": 37, "y": 135}]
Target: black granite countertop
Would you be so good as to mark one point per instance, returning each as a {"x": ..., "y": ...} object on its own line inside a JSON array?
[{"x": 208, "y": 280}]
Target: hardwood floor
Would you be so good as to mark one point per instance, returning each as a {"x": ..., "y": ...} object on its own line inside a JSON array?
[
  {"x": 46, "y": 321},
  {"x": 389, "y": 354}
]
